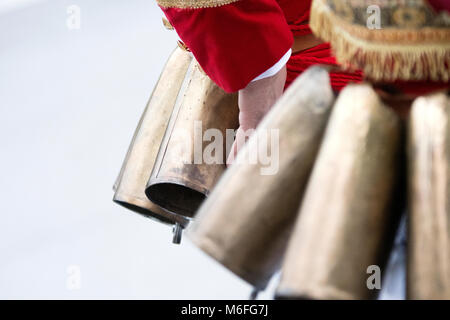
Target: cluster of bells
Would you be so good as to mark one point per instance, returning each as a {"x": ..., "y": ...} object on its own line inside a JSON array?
[{"x": 331, "y": 210}]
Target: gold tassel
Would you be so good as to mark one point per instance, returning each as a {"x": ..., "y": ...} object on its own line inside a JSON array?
[{"x": 384, "y": 61}]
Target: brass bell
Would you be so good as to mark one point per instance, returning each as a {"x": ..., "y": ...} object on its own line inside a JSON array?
[
  {"x": 139, "y": 161},
  {"x": 429, "y": 195},
  {"x": 246, "y": 221},
  {"x": 182, "y": 177},
  {"x": 345, "y": 224}
]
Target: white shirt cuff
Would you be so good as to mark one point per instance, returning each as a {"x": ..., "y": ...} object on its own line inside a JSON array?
[{"x": 276, "y": 67}]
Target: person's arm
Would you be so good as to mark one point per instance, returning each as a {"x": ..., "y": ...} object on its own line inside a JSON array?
[
  {"x": 255, "y": 101},
  {"x": 242, "y": 46}
]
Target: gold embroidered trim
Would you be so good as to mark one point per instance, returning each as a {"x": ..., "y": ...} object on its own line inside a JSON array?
[
  {"x": 193, "y": 4},
  {"x": 183, "y": 46},
  {"x": 387, "y": 54},
  {"x": 167, "y": 24}
]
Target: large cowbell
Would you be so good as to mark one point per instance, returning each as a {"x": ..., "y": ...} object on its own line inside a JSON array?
[
  {"x": 344, "y": 229},
  {"x": 429, "y": 193},
  {"x": 194, "y": 149},
  {"x": 246, "y": 221},
  {"x": 139, "y": 161}
]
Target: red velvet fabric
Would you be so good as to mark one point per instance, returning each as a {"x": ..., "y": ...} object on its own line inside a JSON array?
[
  {"x": 237, "y": 42},
  {"x": 297, "y": 15},
  {"x": 440, "y": 5},
  {"x": 234, "y": 43},
  {"x": 320, "y": 54}
]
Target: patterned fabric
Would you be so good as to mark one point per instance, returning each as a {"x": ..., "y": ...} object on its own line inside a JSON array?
[
  {"x": 394, "y": 15},
  {"x": 193, "y": 4},
  {"x": 389, "y": 40}
]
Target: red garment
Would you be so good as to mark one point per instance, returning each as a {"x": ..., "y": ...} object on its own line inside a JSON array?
[
  {"x": 320, "y": 54},
  {"x": 235, "y": 43},
  {"x": 297, "y": 15},
  {"x": 440, "y": 5}
]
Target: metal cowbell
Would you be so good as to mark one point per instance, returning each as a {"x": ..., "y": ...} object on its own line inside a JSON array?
[
  {"x": 428, "y": 275},
  {"x": 246, "y": 221},
  {"x": 345, "y": 223},
  {"x": 140, "y": 159},
  {"x": 183, "y": 176}
]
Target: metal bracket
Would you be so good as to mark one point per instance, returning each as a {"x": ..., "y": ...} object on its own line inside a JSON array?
[{"x": 177, "y": 232}]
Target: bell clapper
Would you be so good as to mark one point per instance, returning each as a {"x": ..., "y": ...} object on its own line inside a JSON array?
[
  {"x": 254, "y": 294},
  {"x": 177, "y": 232}
]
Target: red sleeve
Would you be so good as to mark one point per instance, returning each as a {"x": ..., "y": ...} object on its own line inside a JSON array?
[
  {"x": 234, "y": 43},
  {"x": 440, "y": 5}
]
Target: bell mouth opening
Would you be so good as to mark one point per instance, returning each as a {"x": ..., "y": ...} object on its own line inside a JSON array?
[
  {"x": 145, "y": 212},
  {"x": 175, "y": 197}
]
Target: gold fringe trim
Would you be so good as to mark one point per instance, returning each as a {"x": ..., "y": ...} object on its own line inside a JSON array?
[
  {"x": 193, "y": 4},
  {"x": 384, "y": 59}
]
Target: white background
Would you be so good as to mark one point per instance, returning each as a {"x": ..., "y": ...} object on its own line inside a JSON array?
[{"x": 69, "y": 103}]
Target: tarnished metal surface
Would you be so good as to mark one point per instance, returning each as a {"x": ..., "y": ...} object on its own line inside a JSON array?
[
  {"x": 344, "y": 219},
  {"x": 180, "y": 181},
  {"x": 142, "y": 153},
  {"x": 246, "y": 221},
  {"x": 429, "y": 198}
]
